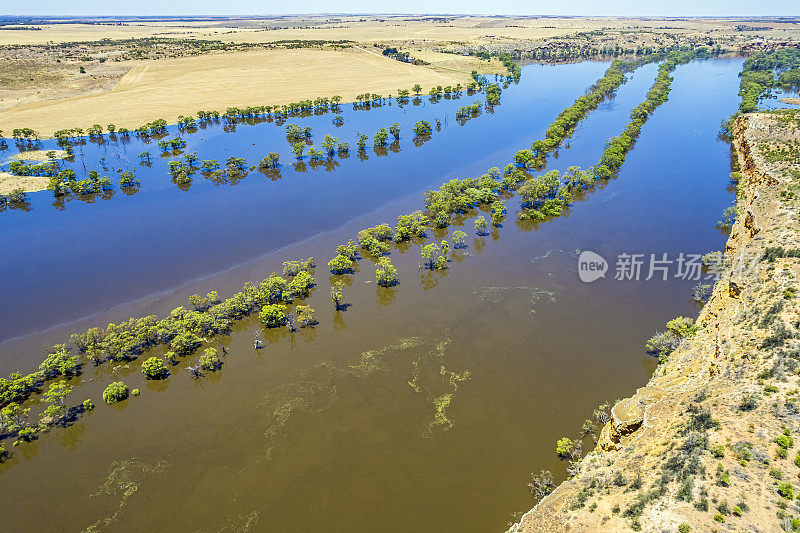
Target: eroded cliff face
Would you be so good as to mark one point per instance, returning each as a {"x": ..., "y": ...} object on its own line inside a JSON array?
[{"x": 700, "y": 445}]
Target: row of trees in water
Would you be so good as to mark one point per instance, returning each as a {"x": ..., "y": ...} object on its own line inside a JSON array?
[
  {"x": 541, "y": 197},
  {"x": 191, "y": 123},
  {"x": 63, "y": 181},
  {"x": 765, "y": 71},
  {"x": 184, "y": 331}
]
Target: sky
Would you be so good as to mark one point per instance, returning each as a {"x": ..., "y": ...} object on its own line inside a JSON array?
[{"x": 497, "y": 7}]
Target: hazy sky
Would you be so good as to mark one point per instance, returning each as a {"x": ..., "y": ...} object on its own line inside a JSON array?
[{"x": 498, "y": 7}]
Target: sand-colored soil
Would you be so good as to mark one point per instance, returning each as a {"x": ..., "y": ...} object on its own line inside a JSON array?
[
  {"x": 171, "y": 87},
  {"x": 9, "y": 182},
  {"x": 792, "y": 101}
]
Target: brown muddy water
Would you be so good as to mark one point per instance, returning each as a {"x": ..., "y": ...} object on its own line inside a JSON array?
[{"x": 423, "y": 407}]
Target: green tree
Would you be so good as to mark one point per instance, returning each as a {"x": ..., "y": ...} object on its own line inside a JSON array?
[
  {"x": 394, "y": 129},
  {"x": 380, "y": 137},
  {"x": 56, "y": 396},
  {"x": 423, "y": 127},
  {"x": 481, "y": 225},
  {"x": 273, "y": 315},
  {"x": 385, "y": 272},
  {"x": 210, "y": 360},
  {"x": 153, "y": 368},
  {"x": 430, "y": 253},
  {"x": 305, "y": 316},
  {"x": 337, "y": 293},
  {"x": 115, "y": 392},
  {"x": 564, "y": 448},
  {"x": 459, "y": 238},
  {"x": 297, "y": 149},
  {"x": 329, "y": 143},
  {"x": 341, "y": 264},
  {"x": 14, "y": 416}
]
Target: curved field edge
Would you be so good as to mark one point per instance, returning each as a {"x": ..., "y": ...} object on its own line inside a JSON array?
[{"x": 709, "y": 441}]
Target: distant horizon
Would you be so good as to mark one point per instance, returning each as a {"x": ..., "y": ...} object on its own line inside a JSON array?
[
  {"x": 508, "y": 8},
  {"x": 375, "y": 14}
]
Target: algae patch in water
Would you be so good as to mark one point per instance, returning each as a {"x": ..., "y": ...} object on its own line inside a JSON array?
[
  {"x": 124, "y": 479},
  {"x": 316, "y": 389},
  {"x": 496, "y": 294},
  {"x": 239, "y": 523}
]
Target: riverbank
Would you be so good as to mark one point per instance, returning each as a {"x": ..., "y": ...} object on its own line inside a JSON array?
[{"x": 709, "y": 441}]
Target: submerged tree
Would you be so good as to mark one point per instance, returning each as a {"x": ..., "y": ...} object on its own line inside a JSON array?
[
  {"x": 385, "y": 272},
  {"x": 337, "y": 293},
  {"x": 481, "y": 225}
]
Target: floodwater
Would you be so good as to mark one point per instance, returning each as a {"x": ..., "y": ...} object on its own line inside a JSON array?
[{"x": 422, "y": 407}]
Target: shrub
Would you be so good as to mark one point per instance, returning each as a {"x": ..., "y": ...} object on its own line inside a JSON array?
[
  {"x": 115, "y": 392},
  {"x": 684, "y": 528},
  {"x": 341, "y": 264},
  {"x": 458, "y": 239},
  {"x": 718, "y": 451},
  {"x": 301, "y": 285},
  {"x": 661, "y": 345},
  {"x": 719, "y": 518},
  {"x": 749, "y": 402},
  {"x": 154, "y": 368},
  {"x": 682, "y": 327},
  {"x": 337, "y": 294},
  {"x": 305, "y": 316},
  {"x": 88, "y": 405},
  {"x": 135, "y": 392},
  {"x": 785, "y": 441},
  {"x": 273, "y": 315},
  {"x": 481, "y": 225},
  {"x": 786, "y": 490},
  {"x": 737, "y": 511},
  {"x": 185, "y": 343},
  {"x": 209, "y": 360},
  {"x": 564, "y": 447},
  {"x": 385, "y": 272}
]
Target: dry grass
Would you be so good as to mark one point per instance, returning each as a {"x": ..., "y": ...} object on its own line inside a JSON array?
[
  {"x": 383, "y": 28},
  {"x": 9, "y": 182},
  {"x": 42, "y": 88},
  {"x": 171, "y": 87}
]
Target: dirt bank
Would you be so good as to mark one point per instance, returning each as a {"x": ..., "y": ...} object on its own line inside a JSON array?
[{"x": 700, "y": 445}]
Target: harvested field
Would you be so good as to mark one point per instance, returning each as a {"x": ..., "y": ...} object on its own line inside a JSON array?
[{"x": 172, "y": 87}]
